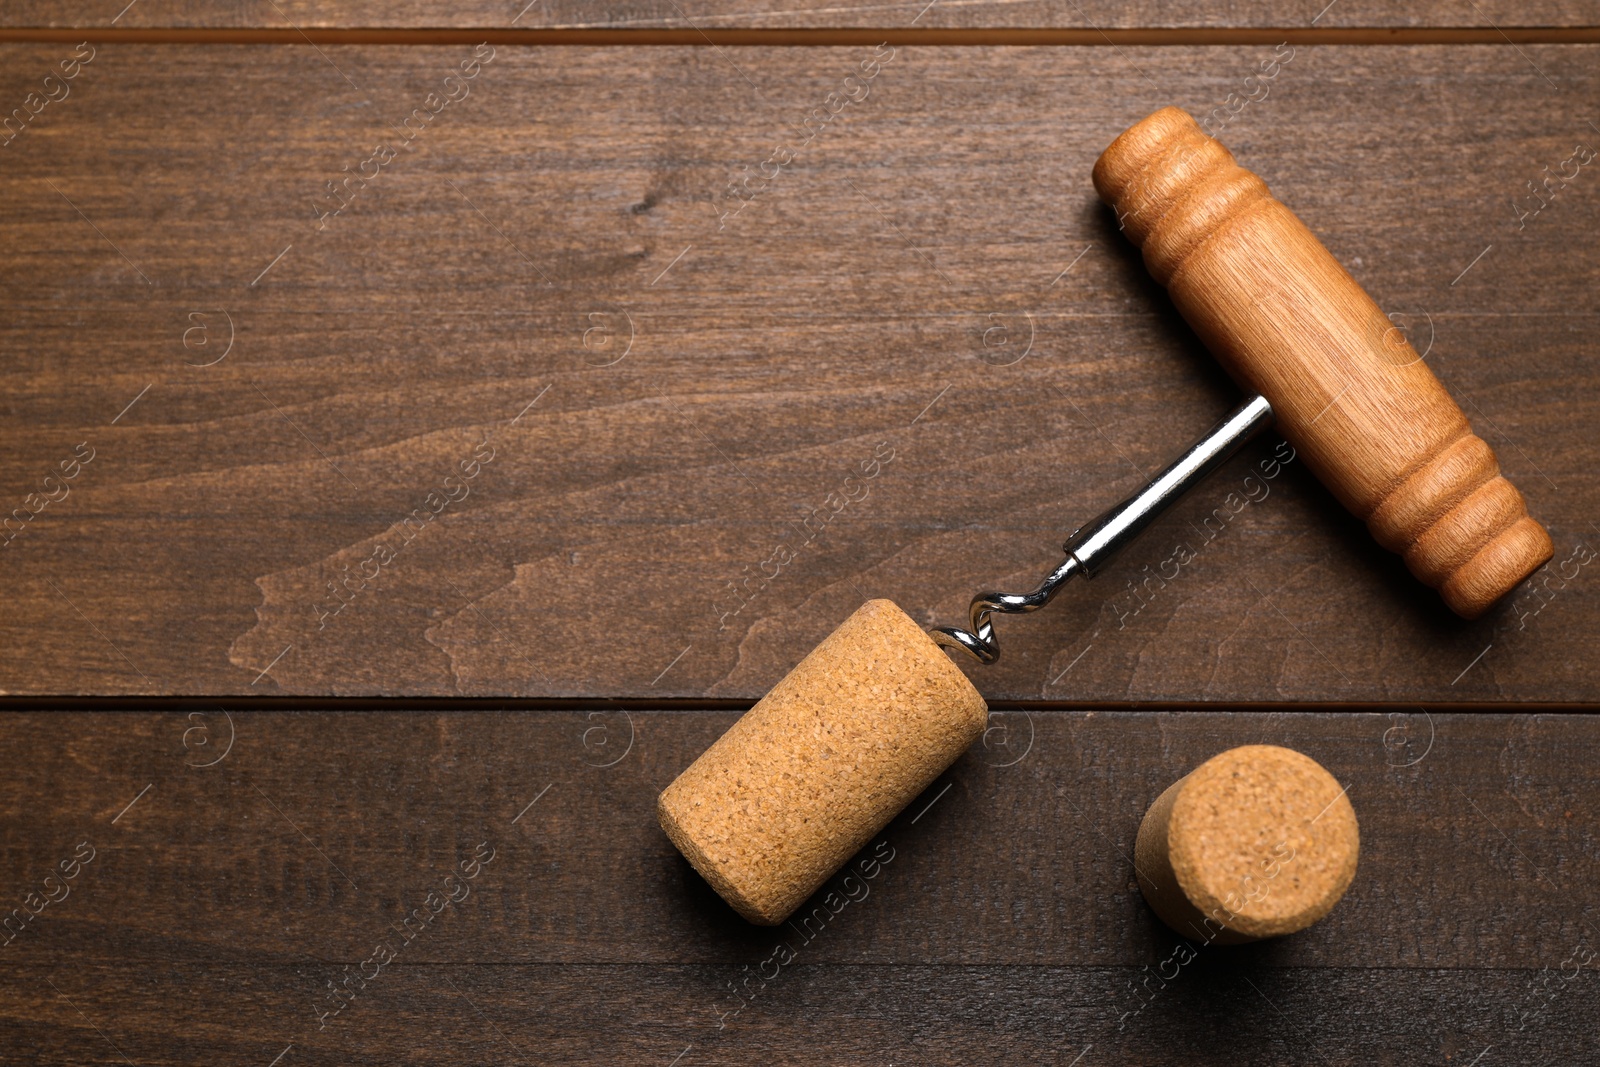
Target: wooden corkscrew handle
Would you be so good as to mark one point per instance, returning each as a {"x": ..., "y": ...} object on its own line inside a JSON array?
[{"x": 1351, "y": 394}]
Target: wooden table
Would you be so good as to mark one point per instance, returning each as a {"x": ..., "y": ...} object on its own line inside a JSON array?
[{"x": 421, "y": 526}]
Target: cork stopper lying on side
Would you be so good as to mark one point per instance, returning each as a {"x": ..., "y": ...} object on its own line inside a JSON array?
[
  {"x": 1257, "y": 842},
  {"x": 805, "y": 778}
]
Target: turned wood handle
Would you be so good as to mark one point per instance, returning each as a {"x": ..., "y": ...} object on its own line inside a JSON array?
[{"x": 1351, "y": 394}]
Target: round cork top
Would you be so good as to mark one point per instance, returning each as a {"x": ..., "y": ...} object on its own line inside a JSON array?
[{"x": 1265, "y": 835}]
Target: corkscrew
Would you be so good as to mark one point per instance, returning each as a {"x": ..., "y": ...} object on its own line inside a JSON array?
[
  {"x": 1090, "y": 546},
  {"x": 874, "y": 714}
]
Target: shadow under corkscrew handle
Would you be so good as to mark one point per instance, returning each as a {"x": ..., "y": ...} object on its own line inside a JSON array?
[{"x": 1350, "y": 393}]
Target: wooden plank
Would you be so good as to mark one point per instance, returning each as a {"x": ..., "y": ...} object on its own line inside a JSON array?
[
  {"x": 718, "y": 14},
  {"x": 1005, "y": 919},
  {"x": 868, "y": 315}
]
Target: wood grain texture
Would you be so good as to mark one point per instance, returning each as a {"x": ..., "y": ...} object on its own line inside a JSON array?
[
  {"x": 931, "y": 274},
  {"x": 1006, "y": 920},
  {"x": 802, "y": 13}
]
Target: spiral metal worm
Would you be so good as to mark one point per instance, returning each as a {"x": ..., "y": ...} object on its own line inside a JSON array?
[
  {"x": 1093, "y": 544},
  {"x": 980, "y": 640}
]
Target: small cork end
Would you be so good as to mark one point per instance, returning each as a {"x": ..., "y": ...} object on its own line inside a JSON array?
[
  {"x": 1256, "y": 842},
  {"x": 824, "y": 761}
]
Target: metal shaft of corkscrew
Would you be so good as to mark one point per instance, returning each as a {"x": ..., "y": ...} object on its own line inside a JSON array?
[{"x": 1093, "y": 544}]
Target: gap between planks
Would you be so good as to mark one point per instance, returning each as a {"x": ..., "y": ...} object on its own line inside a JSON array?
[
  {"x": 312, "y": 703},
  {"x": 775, "y": 37}
]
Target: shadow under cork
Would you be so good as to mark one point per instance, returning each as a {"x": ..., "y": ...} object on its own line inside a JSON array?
[
  {"x": 705, "y": 919},
  {"x": 1219, "y": 997}
]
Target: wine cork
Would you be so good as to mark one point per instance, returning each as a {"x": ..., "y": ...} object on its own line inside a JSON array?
[
  {"x": 823, "y": 762},
  {"x": 1257, "y": 842}
]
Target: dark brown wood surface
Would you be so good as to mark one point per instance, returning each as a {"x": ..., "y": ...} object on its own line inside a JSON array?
[
  {"x": 1004, "y": 926},
  {"x": 928, "y": 291},
  {"x": 711, "y": 14},
  {"x": 927, "y": 300}
]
